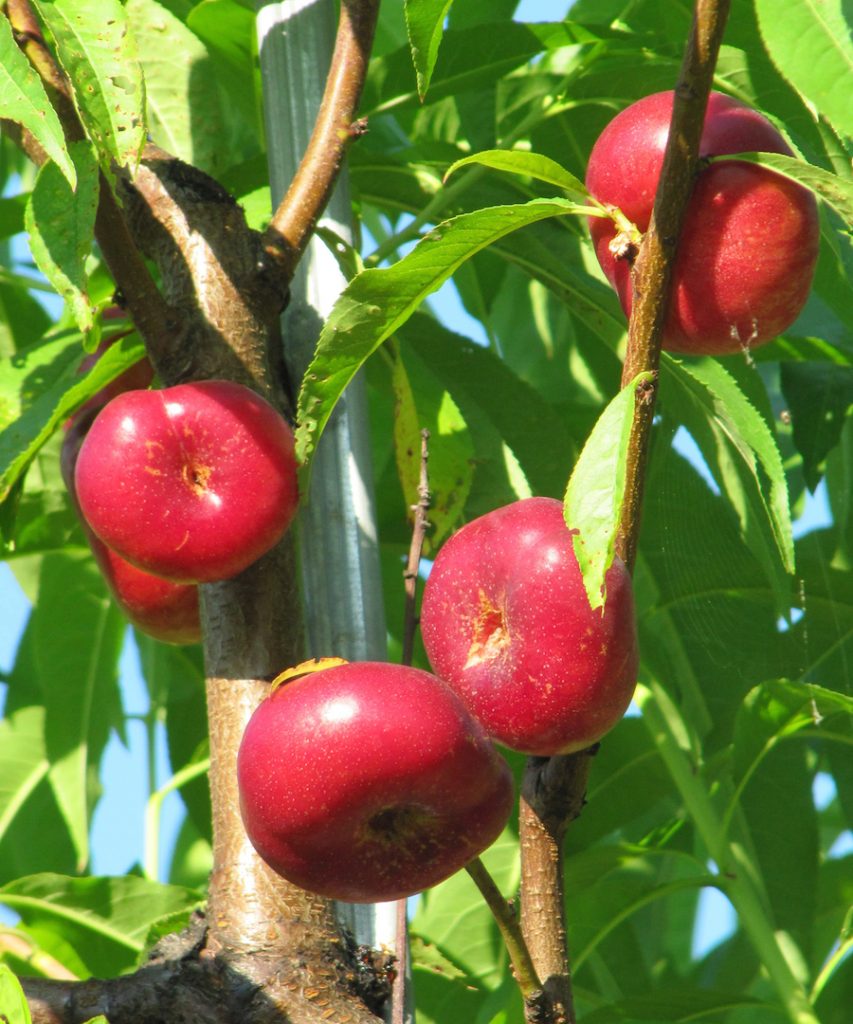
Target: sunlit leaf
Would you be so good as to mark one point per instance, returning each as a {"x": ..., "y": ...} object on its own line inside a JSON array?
[
  {"x": 425, "y": 23},
  {"x": 596, "y": 488},
  {"x": 533, "y": 165},
  {"x": 14, "y": 1008},
  {"x": 24, "y": 101}
]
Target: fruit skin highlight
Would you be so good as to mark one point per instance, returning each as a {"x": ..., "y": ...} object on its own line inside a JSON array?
[
  {"x": 750, "y": 238},
  {"x": 506, "y": 622},
  {"x": 369, "y": 781},
  {"x": 192, "y": 483}
]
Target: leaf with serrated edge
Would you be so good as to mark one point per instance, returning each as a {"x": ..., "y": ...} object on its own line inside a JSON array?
[
  {"x": 24, "y": 101},
  {"x": 532, "y": 165},
  {"x": 377, "y": 301},
  {"x": 834, "y": 190},
  {"x": 61, "y": 226},
  {"x": 730, "y": 415},
  {"x": 810, "y": 45},
  {"x": 98, "y": 54},
  {"x": 424, "y": 24},
  {"x": 596, "y": 488}
]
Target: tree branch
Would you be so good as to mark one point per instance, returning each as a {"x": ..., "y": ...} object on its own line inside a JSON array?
[
  {"x": 554, "y": 788},
  {"x": 652, "y": 272},
  {"x": 335, "y": 129}
]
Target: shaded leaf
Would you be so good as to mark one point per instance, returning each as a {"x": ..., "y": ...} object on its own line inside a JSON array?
[
  {"x": 61, "y": 225},
  {"x": 596, "y": 488},
  {"x": 24, "y": 101},
  {"x": 819, "y": 396}
]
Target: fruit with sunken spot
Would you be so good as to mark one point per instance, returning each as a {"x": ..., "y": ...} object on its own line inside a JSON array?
[{"x": 506, "y": 621}]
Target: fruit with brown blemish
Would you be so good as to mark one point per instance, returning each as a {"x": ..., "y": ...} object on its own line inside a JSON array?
[
  {"x": 506, "y": 622},
  {"x": 192, "y": 483}
]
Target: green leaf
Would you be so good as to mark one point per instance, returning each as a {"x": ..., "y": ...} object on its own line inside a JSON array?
[
  {"x": 820, "y": 397},
  {"x": 40, "y": 388},
  {"x": 422, "y": 403},
  {"x": 14, "y": 1008},
  {"x": 24, "y": 101},
  {"x": 834, "y": 190},
  {"x": 811, "y": 47},
  {"x": 425, "y": 25},
  {"x": 105, "y": 920},
  {"x": 61, "y": 224},
  {"x": 533, "y": 165},
  {"x": 593, "y": 502},
  {"x": 682, "y": 1005},
  {"x": 742, "y": 454},
  {"x": 77, "y": 627},
  {"x": 181, "y": 89},
  {"x": 23, "y": 761},
  {"x": 378, "y": 301},
  {"x": 97, "y": 53}
]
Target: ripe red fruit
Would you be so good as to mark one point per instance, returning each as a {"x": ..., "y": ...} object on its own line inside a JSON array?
[
  {"x": 506, "y": 621},
  {"x": 750, "y": 238},
  {"x": 368, "y": 782},
  {"x": 192, "y": 483},
  {"x": 164, "y": 610}
]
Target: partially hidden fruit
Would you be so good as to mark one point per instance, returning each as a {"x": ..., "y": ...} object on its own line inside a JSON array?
[
  {"x": 749, "y": 243},
  {"x": 506, "y": 621},
  {"x": 192, "y": 483},
  {"x": 368, "y": 782},
  {"x": 164, "y": 610}
]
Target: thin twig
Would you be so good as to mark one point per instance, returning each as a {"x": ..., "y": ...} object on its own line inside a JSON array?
[
  {"x": 335, "y": 129},
  {"x": 510, "y": 929},
  {"x": 652, "y": 271},
  {"x": 410, "y": 576},
  {"x": 564, "y": 778}
]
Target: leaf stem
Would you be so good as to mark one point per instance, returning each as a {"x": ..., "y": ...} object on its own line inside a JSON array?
[
  {"x": 151, "y": 861},
  {"x": 510, "y": 929}
]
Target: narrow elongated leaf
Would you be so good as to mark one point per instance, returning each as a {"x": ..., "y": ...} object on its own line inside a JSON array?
[
  {"x": 533, "y": 165},
  {"x": 596, "y": 488},
  {"x": 742, "y": 455},
  {"x": 14, "y": 1008},
  {"x": 105, "y": 920},
  {"x": 28, "y": 416},
  {"x": 23, "y": 761},
  {"x": 378, "y": 301},
  {"x": 75, "y": 625},
  {"x": 61, "y": 224},
  {"x": 834, "y": 190},
  {"x": 425, "y": 24},
  {"x": 24, "y": 101},
  {"x": 97, "y": 52},
  {"x": 811, "y": 47}
]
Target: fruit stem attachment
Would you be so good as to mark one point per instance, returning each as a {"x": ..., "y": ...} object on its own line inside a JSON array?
[
  {"x": 652, "y": 271},
  {"x": 410, "y": 574},
  {"x": 510, "y": 929}
]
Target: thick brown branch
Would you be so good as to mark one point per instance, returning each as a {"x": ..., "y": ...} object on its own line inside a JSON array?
[
  {"x": 652, "y": 271},
  {"x": 336, "y": 127}
]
